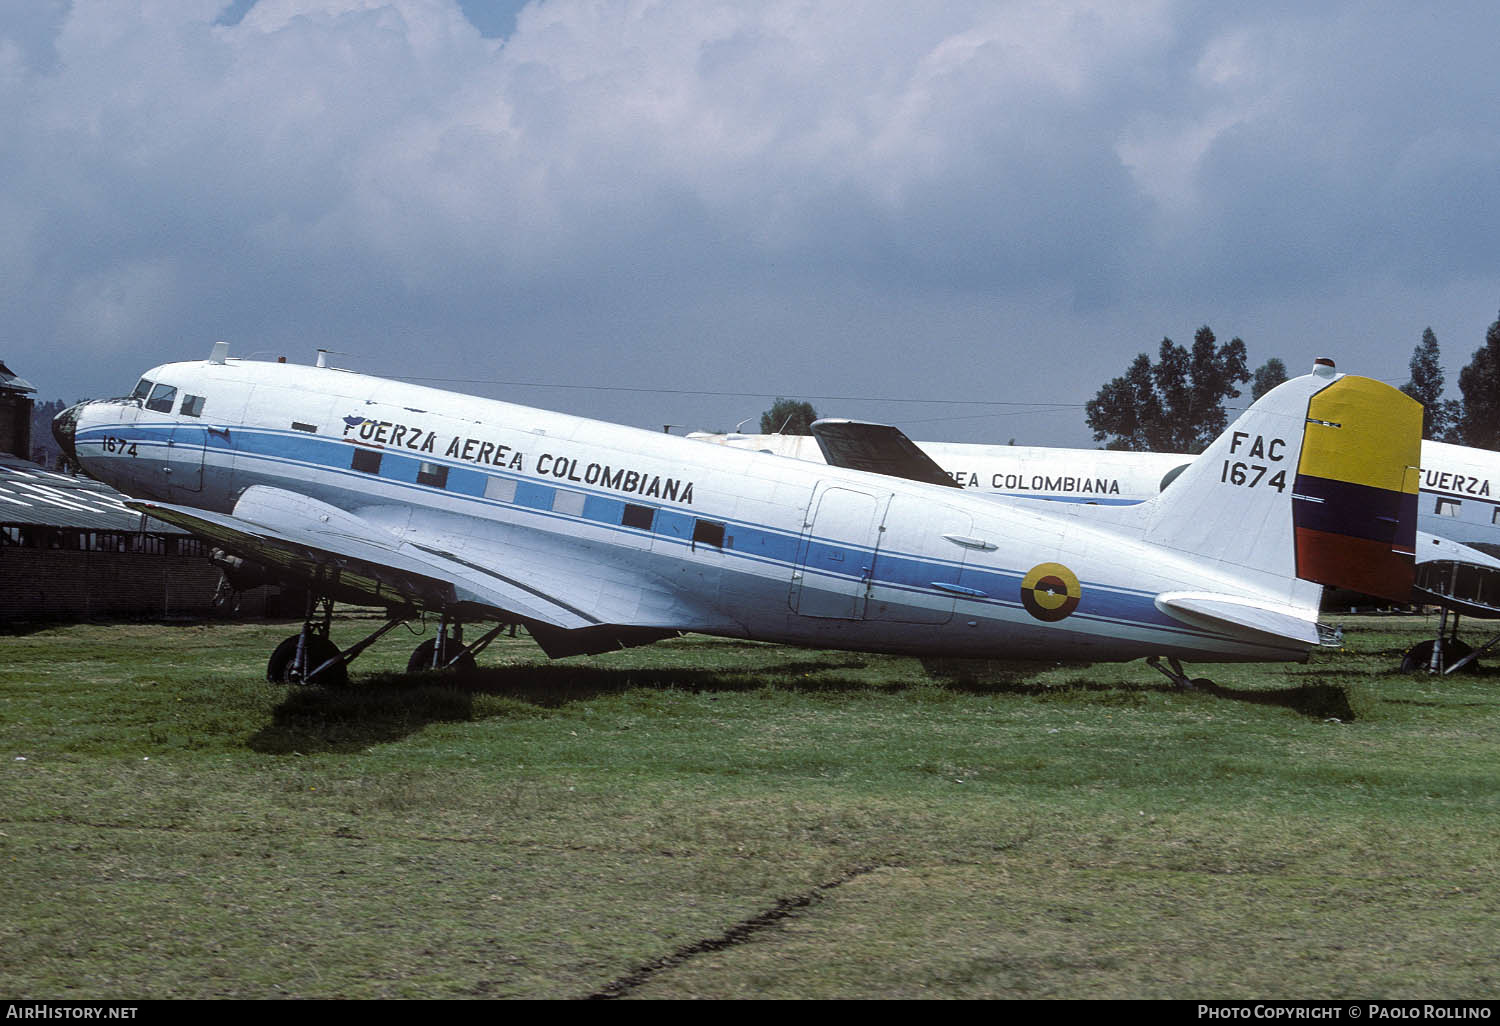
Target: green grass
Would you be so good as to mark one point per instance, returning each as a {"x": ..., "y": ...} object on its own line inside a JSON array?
[{"x": 719, "y": 819}]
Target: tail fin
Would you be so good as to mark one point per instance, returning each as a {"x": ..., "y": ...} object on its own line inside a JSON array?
[{"x": 1317, "y": 481}]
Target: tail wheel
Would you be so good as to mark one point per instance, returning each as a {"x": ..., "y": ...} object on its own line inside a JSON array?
[{"x": 319, "y": 650}]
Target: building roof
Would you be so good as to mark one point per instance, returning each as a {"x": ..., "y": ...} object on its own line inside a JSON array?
[
  {"x": 31, "y": 494},
  {"x": 9, "y": 382}
]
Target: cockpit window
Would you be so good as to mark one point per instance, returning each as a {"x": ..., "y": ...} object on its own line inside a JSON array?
[
  {"x": 142, "y": 389},
  {"x": 162, "y": 398},
  {"x": 192, "y": 405}
]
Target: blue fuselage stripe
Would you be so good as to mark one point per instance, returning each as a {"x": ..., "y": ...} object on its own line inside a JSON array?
[{"x": 827, "y": 558}]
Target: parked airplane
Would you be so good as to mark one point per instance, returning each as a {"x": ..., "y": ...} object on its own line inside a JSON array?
[
  {"x": 598, "y": 536},
  {"x": 1458, "y": 512}
]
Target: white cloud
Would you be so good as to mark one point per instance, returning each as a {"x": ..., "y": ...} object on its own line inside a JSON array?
[{"x": 374, "y": 166}]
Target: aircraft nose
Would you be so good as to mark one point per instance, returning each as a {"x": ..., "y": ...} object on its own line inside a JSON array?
[{"x": 65, "y": 429}]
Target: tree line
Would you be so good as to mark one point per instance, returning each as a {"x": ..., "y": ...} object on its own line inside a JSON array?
[{"x": 1176, "y": 403}]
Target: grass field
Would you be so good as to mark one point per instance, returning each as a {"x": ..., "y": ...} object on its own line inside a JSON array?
[{"x": 706, "y": 818}]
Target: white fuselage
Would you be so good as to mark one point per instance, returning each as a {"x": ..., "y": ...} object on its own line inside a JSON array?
[
  {"x": 640, "y": 528},
  {"x": 1460, "y": 486}
]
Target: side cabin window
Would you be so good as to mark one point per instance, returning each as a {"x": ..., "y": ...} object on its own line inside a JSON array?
[
  {"x": 1448, "y": 507},
  {"x": 568, "y": 502},
  {"x": 366, "y": 460},
  {"x": 433, "y": 474},
  {"x": 163, "y": 397},
  {"x": 192, "y": 406},
  {"x": 639, "y": 517},
  {"x": 501, "y": 489},
  {"x": 142, "y": 389},
  {"x": 708, "y": 532}
]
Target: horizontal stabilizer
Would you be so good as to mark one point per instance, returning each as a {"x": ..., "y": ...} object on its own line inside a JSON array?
[
  {"x": 1238, "y": 617},
  {"x": 877, "y": 449}
]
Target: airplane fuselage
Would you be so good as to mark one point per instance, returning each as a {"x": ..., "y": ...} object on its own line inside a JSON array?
[
  {"x": 1460, "y": 486},
  {"x": 647, "y": 529}
]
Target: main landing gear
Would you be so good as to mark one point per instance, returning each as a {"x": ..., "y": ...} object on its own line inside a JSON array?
[
  {"x": 1444, "y": 655},
  {"x": 1176, "y": 674},
  {"x": 309, "y": 657}
]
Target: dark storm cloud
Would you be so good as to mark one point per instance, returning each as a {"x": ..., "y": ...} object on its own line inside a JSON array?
[{"x": 1000, "y": 200}]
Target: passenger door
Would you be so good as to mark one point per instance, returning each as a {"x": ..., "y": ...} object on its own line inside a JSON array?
[{"x": 837, "y": 552}]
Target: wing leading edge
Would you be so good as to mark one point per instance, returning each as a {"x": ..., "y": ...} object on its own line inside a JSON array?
[
  {"x": 307, "y": 539},
  {"x": 353, "y": 557}
]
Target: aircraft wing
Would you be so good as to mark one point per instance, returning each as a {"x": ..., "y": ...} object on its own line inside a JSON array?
[
  {"x": 1450, "y": 574},
  {"x": 301, "y": 538},
  {"x": 877, "y": 448}
]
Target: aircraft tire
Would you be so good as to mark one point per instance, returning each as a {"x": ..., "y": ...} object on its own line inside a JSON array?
[
  {"x": 319, "y": 650},
  {"x": 1419, "y": 657},
  {"x": 421, "y": 659}
]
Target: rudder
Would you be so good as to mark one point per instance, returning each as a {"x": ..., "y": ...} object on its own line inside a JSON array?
[
  {"x": 1317, "y": 481},
  {"x": 1354, "y": 505}
]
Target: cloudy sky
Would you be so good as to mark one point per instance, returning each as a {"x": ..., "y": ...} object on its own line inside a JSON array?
[{"x": 671, "y": 211}]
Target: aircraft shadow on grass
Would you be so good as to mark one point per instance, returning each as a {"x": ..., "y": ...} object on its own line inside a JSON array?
[
  {"x": 388, "y": 707},
  {"x": 1317, "y": 699}
]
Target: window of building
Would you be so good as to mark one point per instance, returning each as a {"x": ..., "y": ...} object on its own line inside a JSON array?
[
  {"x": 192, "y": 406},
  {"x": 1448, "y": 507},
  {"x": 708, "y": 532},
  {"x": 192, "y": 546},
  {"x": 434, "y": 475},
  {"x": 152, "y": 544},
  {"x": 638, "y": 516},
  {"x": 366, "y": 461}
]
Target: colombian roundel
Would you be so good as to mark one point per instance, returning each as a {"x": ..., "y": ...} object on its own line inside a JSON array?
[{"x": 1050, "y": 592}]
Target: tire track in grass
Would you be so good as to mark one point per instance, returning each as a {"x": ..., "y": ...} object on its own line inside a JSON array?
[{"x": 737, "y": 934}]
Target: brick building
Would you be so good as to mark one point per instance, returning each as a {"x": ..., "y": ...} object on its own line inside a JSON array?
[
  {"x": 70, "y": 547},
  {"x": 16, "y": 401}
]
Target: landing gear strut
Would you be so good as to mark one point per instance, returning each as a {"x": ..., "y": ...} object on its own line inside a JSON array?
[
  {"x": 1444, "y": 655},
  {"x": 308, "y": 657},
  {"x": 447, "y": 650},
  {"x": 1176, "y": 674}
]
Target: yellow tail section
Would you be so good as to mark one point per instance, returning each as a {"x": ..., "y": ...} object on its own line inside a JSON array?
[{"x": 1354, "y": 509}]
